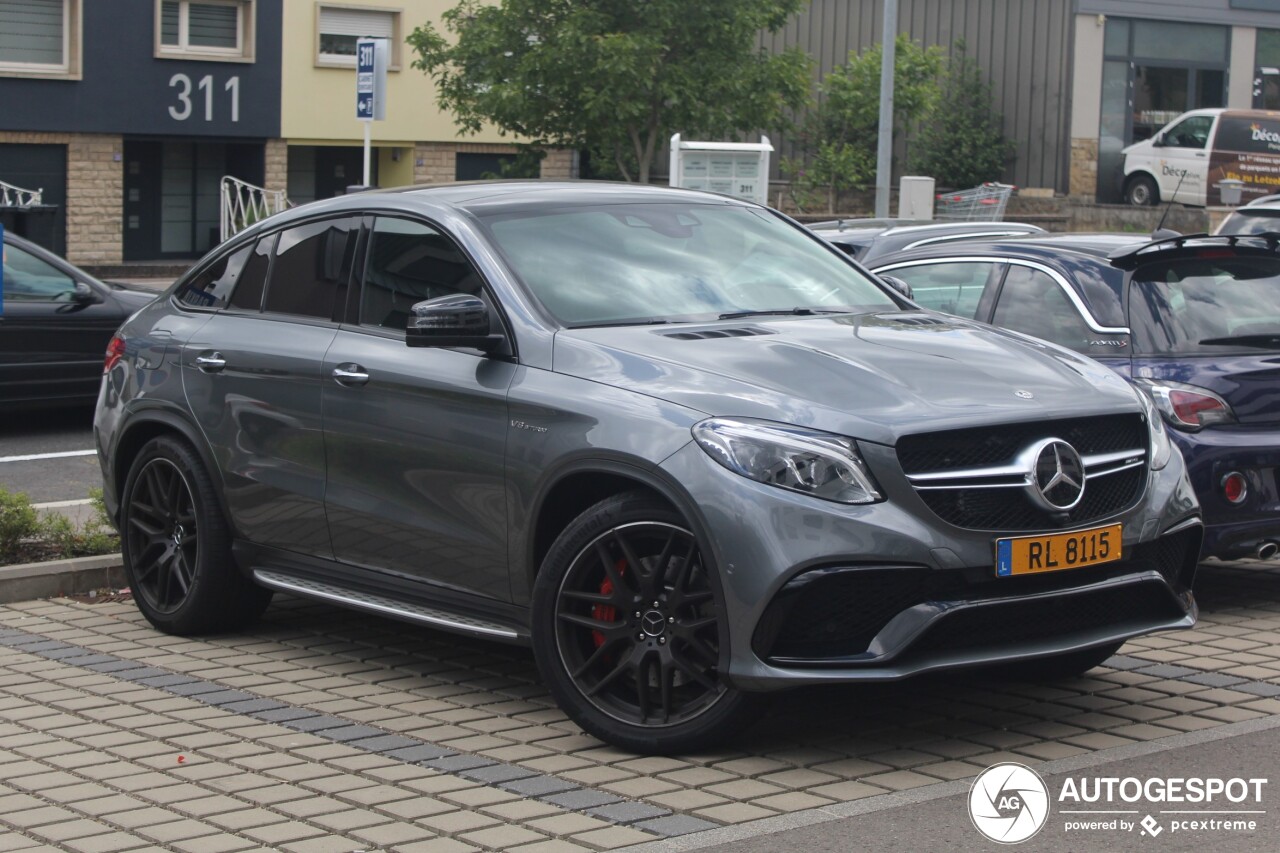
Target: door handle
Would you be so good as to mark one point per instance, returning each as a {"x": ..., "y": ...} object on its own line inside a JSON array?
[
  {"x": 350, "y": 374},
  {"x": 211, "y": 363}
]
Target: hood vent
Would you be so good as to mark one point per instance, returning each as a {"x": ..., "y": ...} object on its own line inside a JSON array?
[
  {"x": 703, "y": 334},
  {"x": 921, "y": 320}
]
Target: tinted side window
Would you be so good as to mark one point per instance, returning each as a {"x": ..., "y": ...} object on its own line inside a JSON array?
[
  {"x": 29, "y": 279},
  {"x": 409, "y": 262},
  {"x": 954, "y": 287},
  {"x": 1031, "y": 302},
  {"x": 253, "y": 277},
  {"x": 212, "y": 288},
  {"x": 312, "y": 264}
]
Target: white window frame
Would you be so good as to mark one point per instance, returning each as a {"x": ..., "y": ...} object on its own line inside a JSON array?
[
  {"x": 329, "y": 60},
  {"x": 69, "y": 68},
  {"x": 246, "y": 16}
]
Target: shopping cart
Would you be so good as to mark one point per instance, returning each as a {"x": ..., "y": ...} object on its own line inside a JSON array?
[{"x": 985, "y": 203}]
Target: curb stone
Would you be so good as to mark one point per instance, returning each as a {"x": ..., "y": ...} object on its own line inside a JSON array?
[{"x": 28, "y": 581}]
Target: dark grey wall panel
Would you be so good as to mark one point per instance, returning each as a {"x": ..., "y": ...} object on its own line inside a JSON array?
[
  {"x": 125, "y": 89},
  {"x": 1240, "y": 13},
  {"x": 1022, "y": 47}
]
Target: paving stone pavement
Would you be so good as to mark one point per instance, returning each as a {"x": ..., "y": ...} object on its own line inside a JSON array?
[{"x": 325, "y": 730}]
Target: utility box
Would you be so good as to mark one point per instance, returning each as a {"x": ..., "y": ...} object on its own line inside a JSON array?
[
  {"x": 1230, "y": 190},
  {"x": 915, "y": 198},
  {"x": 738, "y": 169}
]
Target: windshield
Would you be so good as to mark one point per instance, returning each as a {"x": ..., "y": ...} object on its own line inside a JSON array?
[
  {"x": 1240, "y": 222},
  {"x": 1203, "y": 306},
  {"x": 675, "y": 261}
]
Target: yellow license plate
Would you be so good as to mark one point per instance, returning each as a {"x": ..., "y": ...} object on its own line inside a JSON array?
[{"x": 1031, "y": 555}]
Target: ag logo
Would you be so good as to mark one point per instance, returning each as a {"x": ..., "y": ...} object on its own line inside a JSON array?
[{"x": 1008, "y": 803}]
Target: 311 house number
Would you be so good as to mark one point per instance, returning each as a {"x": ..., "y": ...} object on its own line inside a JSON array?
[{"x": 182, "y": 83}]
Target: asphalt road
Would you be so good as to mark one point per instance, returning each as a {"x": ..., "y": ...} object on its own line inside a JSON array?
[{"x": 50, "y": 477}]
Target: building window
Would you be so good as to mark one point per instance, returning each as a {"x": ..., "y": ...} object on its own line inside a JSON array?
[
  {"x": 338, "y": 28},
  {"x": 209, "y": 29},
  {"x": 40, "y": 38}
]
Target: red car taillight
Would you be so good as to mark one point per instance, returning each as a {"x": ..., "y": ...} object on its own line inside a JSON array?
[
  {"x": 1187, "y": 407},
  {"x": 115, "y": 352}
]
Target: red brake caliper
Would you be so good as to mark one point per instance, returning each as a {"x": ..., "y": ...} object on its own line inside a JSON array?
[{"x": 606, "y": 612}]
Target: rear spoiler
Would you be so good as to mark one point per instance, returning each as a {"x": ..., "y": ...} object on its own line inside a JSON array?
[{"x": 1130, "y": 257}]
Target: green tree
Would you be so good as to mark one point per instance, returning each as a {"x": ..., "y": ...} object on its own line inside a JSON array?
[
  {"x": 960, "y": 142},
  {"x": 838, "y": 142},
  {"x": 614, "y": 77}
]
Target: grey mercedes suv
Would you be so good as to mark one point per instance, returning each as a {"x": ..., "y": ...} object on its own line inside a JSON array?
[{"x": 684, "y": 448}]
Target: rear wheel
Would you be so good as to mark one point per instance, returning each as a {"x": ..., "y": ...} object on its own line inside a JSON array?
[
  {"x": 630, "y": 633},
  {"x": 177, "y": 548},
  {"x": 1141, "y": 191}
]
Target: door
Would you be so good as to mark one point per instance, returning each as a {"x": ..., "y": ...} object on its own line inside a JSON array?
[
  {"x": 51, "y": 345},
  {"x": 415, "y": 438},
  {"x": 252, "y": 376},
  {"x": 44, "y": 168},
  {"x": 1182, "y": 153}
]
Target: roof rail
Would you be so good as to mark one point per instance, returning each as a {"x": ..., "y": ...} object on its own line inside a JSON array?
[{"x": 1128, "y": 257}]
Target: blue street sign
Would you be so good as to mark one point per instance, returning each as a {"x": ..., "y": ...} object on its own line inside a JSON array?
[{"x": 371, "y": 79}]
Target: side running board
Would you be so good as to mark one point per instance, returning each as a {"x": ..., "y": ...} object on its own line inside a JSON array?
[{"x": 383, "y": 606}]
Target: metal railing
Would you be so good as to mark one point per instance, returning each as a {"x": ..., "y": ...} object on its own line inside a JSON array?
[
  {"x": 11, "y": 196},
  {"x": 244, "y": 204}
]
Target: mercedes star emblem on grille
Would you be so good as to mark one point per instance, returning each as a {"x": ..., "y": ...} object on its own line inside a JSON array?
[{"x": 1057, "y": 476}]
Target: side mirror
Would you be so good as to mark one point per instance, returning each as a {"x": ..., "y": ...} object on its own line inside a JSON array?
[
  {"x": 85, "y": 295},
  {"x": 456, "y": 320},
  {"x": 898, "y": 285}
]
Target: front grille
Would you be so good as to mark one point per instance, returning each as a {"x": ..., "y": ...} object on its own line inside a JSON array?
[
  {"x": 1000, "y": 625},
  {"x": 832, "y": 614},
  {"x": 972, "y": 506},
  {"x": 998, "y": 445},
  {"x": 1011, "y": 509}
]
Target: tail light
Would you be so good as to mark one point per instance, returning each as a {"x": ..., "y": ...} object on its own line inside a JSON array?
[
  {"x": 1235, "y": 488},
  {"x": 115, "y": 352},
  {"x": 1187, "y": 407}
]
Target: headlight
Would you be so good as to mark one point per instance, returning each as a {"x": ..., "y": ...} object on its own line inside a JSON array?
[
  {"x": 1160, "y": 444},
  {"x": 802, "y": 460}
]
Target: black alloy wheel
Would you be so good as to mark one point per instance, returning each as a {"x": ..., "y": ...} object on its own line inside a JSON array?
[
  {"x": 163, "y": 536},
  {"x": 177, "y": 546},
  {"x": 630, "y": 629}
]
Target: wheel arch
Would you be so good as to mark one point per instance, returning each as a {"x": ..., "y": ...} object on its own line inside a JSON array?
[
  {"x": 573, "y": 489},
  {"x": 147, "y": 424}
]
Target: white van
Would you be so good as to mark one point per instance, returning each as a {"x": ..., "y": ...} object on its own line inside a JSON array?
[{"x": 1188, "y": 157}]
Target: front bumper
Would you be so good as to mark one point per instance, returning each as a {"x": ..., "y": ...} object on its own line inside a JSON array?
[{"x": 953, "y": 612}]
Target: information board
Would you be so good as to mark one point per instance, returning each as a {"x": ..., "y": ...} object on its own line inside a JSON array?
[{"x": 738, "y": 169}]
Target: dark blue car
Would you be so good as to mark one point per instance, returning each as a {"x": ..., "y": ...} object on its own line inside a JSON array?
[{"x": 1194, "y": 321}]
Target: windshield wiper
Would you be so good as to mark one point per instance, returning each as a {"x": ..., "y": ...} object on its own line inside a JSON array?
[
  {"x": 655, "y": 321},
  {"x": 1261, "y": 341},
  {"x": 801, "y": 312}
]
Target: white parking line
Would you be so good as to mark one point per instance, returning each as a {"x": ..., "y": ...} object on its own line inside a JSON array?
[{"x": 35, "y": 456}]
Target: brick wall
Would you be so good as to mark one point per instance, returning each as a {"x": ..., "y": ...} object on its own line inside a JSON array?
[
  {"x": 276, "y": 172},
  {"x": 436, "y": 162},
  {"x": 95, "y": 192},
  {"x": 1084, "y": 167}
]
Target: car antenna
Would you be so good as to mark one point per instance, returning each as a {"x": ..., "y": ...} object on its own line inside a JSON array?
[{"x": 1160, "y": 233}]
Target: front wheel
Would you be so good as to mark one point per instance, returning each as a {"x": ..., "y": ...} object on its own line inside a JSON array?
[
  {"x": 629, "y": 630},
  {"x": 177, "y": 548},
  {"x": 1141, "y": 191}
]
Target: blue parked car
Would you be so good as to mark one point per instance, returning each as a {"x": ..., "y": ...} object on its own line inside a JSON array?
[{"x": 1193, "y": 320}]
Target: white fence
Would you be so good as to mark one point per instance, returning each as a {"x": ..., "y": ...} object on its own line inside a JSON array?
[
  {"x": 11, "y": 196},
  {"x": 244, "y": 204}
]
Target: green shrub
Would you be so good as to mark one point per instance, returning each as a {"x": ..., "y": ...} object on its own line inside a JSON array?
[{"x": 28, "y": 536}]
